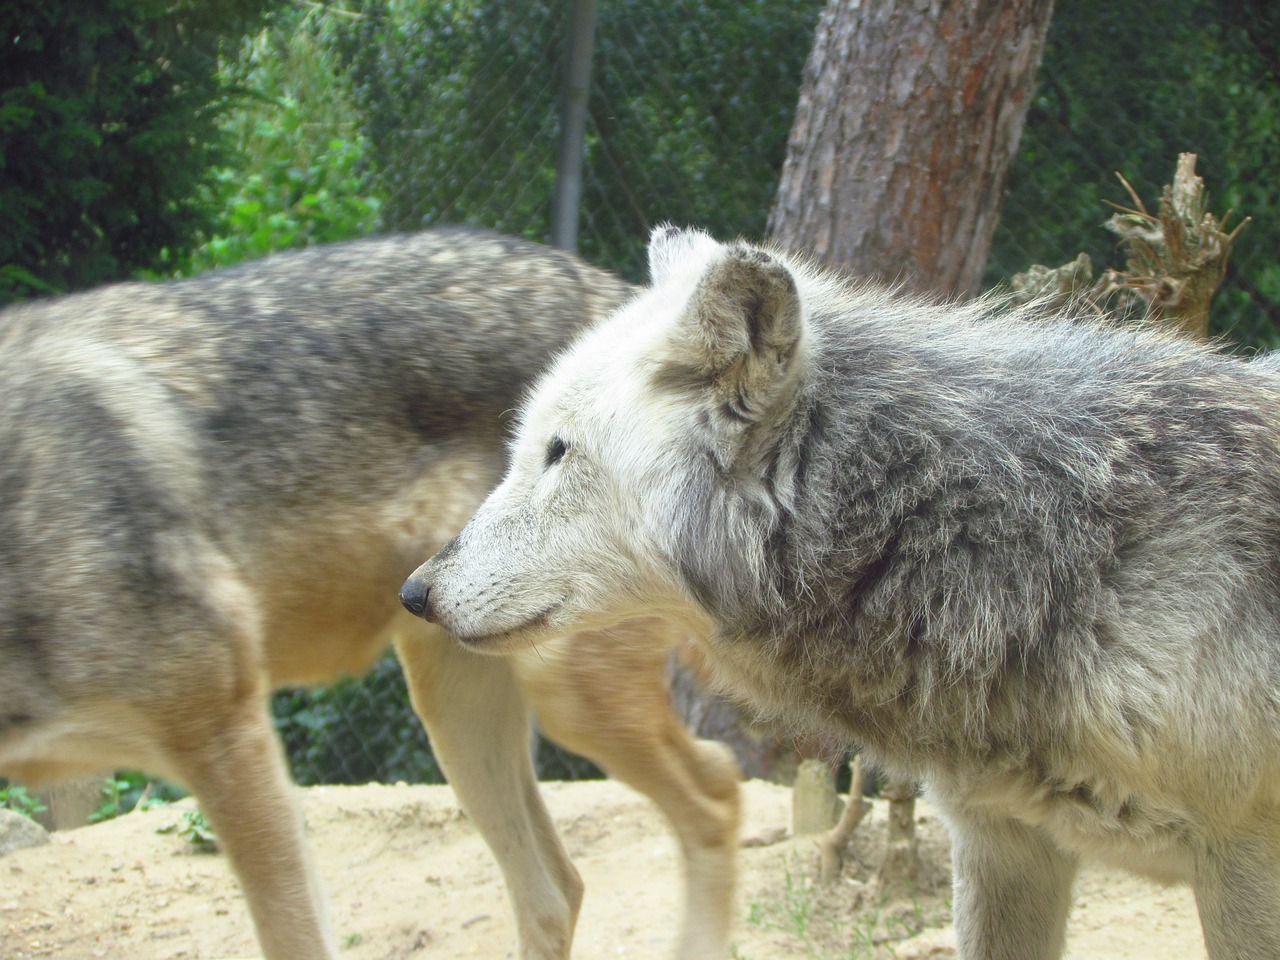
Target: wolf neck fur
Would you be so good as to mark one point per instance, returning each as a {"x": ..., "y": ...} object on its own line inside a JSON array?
[{"x": 894, "y": 496}]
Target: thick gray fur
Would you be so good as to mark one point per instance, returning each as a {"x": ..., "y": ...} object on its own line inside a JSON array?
[
  {"x": 1036, "y": 563},
  {"x": 1030, "y": 560},
  {"x": 142, "y": 421}
]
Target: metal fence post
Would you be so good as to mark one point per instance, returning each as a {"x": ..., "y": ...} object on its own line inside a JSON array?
[{"x": 573, "y": 126}]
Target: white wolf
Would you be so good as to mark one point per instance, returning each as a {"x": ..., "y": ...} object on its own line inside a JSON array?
[{"x": 1030, "y": 561}]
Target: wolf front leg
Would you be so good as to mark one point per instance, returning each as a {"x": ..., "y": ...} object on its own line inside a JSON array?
[
  {"x": 476, "y": 716},
  {"x": 1237, "y": 886},
  {"x": 233, "y": 763},
  {"x": 603, "y": 694},
  {"x": 1012, "y": 890}
]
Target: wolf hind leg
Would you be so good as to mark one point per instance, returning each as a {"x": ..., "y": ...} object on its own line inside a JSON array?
[
  {"x": 1012, "y": 889},
  {"x": 478, "y": 722},
  {"x": 1237, "y": 887},
  {"x": 235, "y": 767},
  {"x": 604, "y": 695}
]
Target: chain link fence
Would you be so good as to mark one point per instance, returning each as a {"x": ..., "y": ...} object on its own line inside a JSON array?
[{"x": 688, "y": 112}]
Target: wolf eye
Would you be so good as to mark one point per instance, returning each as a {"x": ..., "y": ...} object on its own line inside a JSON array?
[{"x": 556, "y": 450}]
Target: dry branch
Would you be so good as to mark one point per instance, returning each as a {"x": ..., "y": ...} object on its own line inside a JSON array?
[{"x": 1175, "y": 259}]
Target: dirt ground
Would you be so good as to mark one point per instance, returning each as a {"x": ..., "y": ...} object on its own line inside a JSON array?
[{"x": 409, "y": 878}]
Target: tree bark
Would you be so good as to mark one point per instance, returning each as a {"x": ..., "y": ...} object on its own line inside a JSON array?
[
  {"x": 910, "y": 113},
  {"x": 833, "y": 844},
  {"x": 909, "y": 116},
  {"x": 70, "y": 802}
]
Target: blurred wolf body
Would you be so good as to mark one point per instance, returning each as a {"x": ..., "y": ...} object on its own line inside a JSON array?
[{"x": 213, "y": 487}]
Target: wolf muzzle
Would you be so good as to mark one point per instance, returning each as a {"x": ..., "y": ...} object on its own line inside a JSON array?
[{"x": 416, "y": 592}]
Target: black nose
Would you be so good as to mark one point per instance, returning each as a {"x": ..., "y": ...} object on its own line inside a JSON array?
[{"x": 416, "y": 597}]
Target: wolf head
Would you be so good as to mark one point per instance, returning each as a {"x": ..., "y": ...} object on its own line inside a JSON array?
[{"x": 642, "y": 479}]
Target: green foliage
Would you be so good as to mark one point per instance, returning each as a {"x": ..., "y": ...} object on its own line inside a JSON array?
[
  {"x": 114, "y": 797},
  {"x": 196, "y": 829},
  {"x": 364, "y": 730},
  {"x": 355, "y": 731},
  {"x": 458, "y": 101},
  {"x": 108, "y": 132},
  {"x": 125, "y": 790},
  {"x": 301, "y": 174},
  {"x": 696, "y": 129},
  {"x": 553, "y": 762},
  {"x": 1123, "y": 91},
  {"x": 282, "y": 205},
  {"x": 690, "y": 107},
  {"x": 16, "y": 798}
]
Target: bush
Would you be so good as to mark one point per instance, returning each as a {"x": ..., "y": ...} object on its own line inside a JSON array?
[
  {"x": 109, "y": 131},
  {"x": 301, "y": 174},
  {"x": 460, "y": 105},
  {"x": 355, "y": 731}
]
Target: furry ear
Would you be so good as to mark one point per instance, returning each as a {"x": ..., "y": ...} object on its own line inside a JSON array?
[
  {"x": 743, "y": 326},
  {"x": 671, "y": 248}
]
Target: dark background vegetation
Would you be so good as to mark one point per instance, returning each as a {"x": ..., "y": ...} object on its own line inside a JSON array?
[{"x": 149, "y": 138}]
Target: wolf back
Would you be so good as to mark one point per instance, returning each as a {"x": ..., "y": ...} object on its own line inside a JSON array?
[{"x": 144, "y": 423}]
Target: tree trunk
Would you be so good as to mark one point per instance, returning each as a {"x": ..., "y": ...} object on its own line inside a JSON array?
[
  {"x": 909, "y": 116},
  {"x": 69, "y": 802},
  {"x": 901, "y": 864},
  {"x": 832, "y": 846}
]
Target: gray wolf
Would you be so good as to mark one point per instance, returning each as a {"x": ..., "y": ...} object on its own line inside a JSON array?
[
  {"x": 215, "y": 486},
  {"x": 1030, "y": 561}
]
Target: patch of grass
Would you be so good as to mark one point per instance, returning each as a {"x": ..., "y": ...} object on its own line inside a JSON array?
[
  {"x": 792, "y": 912},
  {"x": 17, "y": 799},
  {"x": 130, "y": 790},
  {"x": 842, "y": 922},
  {"x": 195, "y": 829}
]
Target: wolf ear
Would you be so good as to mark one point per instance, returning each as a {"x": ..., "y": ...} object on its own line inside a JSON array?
[
  {"x": 672, "y": 247},
  {"x": 742, "y": 327}
]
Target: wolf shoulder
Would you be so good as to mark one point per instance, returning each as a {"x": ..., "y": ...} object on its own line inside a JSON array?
[{"x": 462, "y": 307}]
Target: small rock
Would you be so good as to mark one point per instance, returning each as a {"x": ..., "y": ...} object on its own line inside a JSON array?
[
  {"x": 18, "y": 832},
  {"x": 936, "y": 944},
  {"x": 815, "y": 807}
]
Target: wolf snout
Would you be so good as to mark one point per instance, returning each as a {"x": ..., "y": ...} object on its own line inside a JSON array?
[{"x": 415, "y": 595}]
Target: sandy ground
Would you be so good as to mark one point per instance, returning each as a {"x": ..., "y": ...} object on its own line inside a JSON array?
[{"x": 409, "y": 878}]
